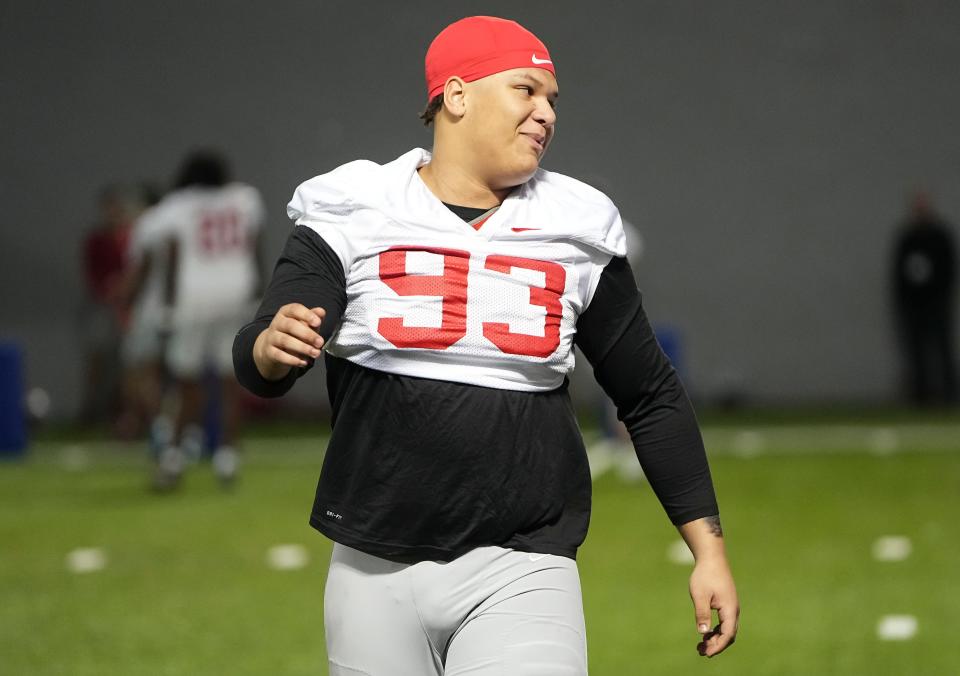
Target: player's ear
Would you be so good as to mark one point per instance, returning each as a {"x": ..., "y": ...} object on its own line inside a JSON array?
[{"x": 454, "y": 96}]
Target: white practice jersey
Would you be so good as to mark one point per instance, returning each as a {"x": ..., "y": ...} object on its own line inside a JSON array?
[
  {"x": 431, "y": 296},
  {"x": 215, "y": 229},
  {"x": 148, "y": 239}
]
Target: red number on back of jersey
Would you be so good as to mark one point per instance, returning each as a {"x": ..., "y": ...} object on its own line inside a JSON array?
[
  {"x": 221, "y": 232},
  {"x": 451, "y": 286}
]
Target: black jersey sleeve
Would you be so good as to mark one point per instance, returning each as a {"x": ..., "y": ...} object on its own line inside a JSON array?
[
  {"x": 616, "y": 338},
  {"x": 308, "y": 272}
]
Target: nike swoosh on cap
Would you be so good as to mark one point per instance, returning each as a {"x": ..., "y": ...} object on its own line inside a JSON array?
[{"x": 533, "y": 57}]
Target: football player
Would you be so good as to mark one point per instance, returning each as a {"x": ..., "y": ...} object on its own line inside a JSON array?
[
  {"x": 142, "y": 347},
  {"x": 447, "y": 290},
  {"x": 209, "y": 227}
]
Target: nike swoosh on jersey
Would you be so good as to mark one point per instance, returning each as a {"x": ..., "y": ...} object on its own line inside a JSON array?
[
  {"x": 523, "y": 229},
  {"x": 533, "y": 57}
]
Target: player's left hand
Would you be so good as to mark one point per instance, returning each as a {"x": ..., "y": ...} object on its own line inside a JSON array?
[{"x": 712, "y": 588}]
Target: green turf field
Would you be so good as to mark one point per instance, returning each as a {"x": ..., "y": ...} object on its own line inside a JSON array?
[{"x": 186, "y": 588}]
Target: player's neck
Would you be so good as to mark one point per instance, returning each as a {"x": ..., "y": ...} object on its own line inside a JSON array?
[{"x": 453, "y": 183}]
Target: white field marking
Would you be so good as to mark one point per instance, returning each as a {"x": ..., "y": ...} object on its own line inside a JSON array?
[
  {"x": 884, "y": 441},
  {"x": 748, "y": 443},
  {"x": 600, "y": 457},
  {"x": 75, "y": 458},
  {"x": 287, "y": 557},
  {"x": 892, "y": 548},
  {"x": 679, "y": 553},
  {"x": 896, "y": 627},
  {"x": 86, "y": 560},
  {"x": 628, "y": 467},
  {"x": 846, "y": 438}
]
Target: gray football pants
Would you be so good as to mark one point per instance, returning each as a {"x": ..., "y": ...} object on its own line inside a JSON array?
[{"x": 493, "y": 611}]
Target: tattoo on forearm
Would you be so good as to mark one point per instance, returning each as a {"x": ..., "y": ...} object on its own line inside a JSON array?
[{"x": 714, "y": 523}]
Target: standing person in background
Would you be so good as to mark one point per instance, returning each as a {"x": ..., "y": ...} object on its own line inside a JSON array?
[
  {"x": 924, "y": 280},
  {"x": 104, "y": 267},
  {"x": 209, "y": 230},
  {"x": 448, "y": 288},
  {"x": 614, "y": 448},
  {"x": 147, "y": 330}
]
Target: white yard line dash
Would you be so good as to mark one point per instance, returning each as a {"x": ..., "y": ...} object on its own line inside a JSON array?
[{"x": 897, "y": 627}]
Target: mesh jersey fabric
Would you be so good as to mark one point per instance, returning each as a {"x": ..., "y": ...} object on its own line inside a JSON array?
[{"x": 430, "y": 296}]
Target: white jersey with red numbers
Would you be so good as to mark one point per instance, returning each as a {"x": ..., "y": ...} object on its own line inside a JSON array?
[
  {"x": 493, "y": 304},
  {"x": 215, "y": 230}
]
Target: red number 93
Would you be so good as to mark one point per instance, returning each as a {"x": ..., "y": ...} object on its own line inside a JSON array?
[{"x": 451, "y": 287}]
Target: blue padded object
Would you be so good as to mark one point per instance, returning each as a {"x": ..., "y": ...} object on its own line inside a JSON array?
[{"x": 13, "y": 423}]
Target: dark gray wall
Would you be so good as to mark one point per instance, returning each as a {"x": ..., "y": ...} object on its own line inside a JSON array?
[{"x": 764, "y": 149}]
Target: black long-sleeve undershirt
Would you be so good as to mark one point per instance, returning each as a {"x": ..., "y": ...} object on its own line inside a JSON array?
[
  {"x": 308, "y": 272},
  {"x": 616, "y": 338},
  {"x": 501, "y": 467}
]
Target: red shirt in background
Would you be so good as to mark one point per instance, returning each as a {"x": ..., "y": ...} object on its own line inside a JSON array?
[{"x": 105, "y": 263}]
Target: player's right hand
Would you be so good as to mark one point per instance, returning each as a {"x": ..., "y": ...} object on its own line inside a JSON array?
[{"x": 290, "y": 340}]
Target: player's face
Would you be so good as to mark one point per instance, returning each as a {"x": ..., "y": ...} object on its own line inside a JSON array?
[{"x": 512, "y": 120}]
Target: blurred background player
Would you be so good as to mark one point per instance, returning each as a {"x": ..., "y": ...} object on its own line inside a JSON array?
[
  {"x": 209, "y": 230},
  {"x": 924, "y": 280},
  {"x": 147, "y": 329},
  {"x": 103, "y": 314},
  {"x": 614, "y": 448}
]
